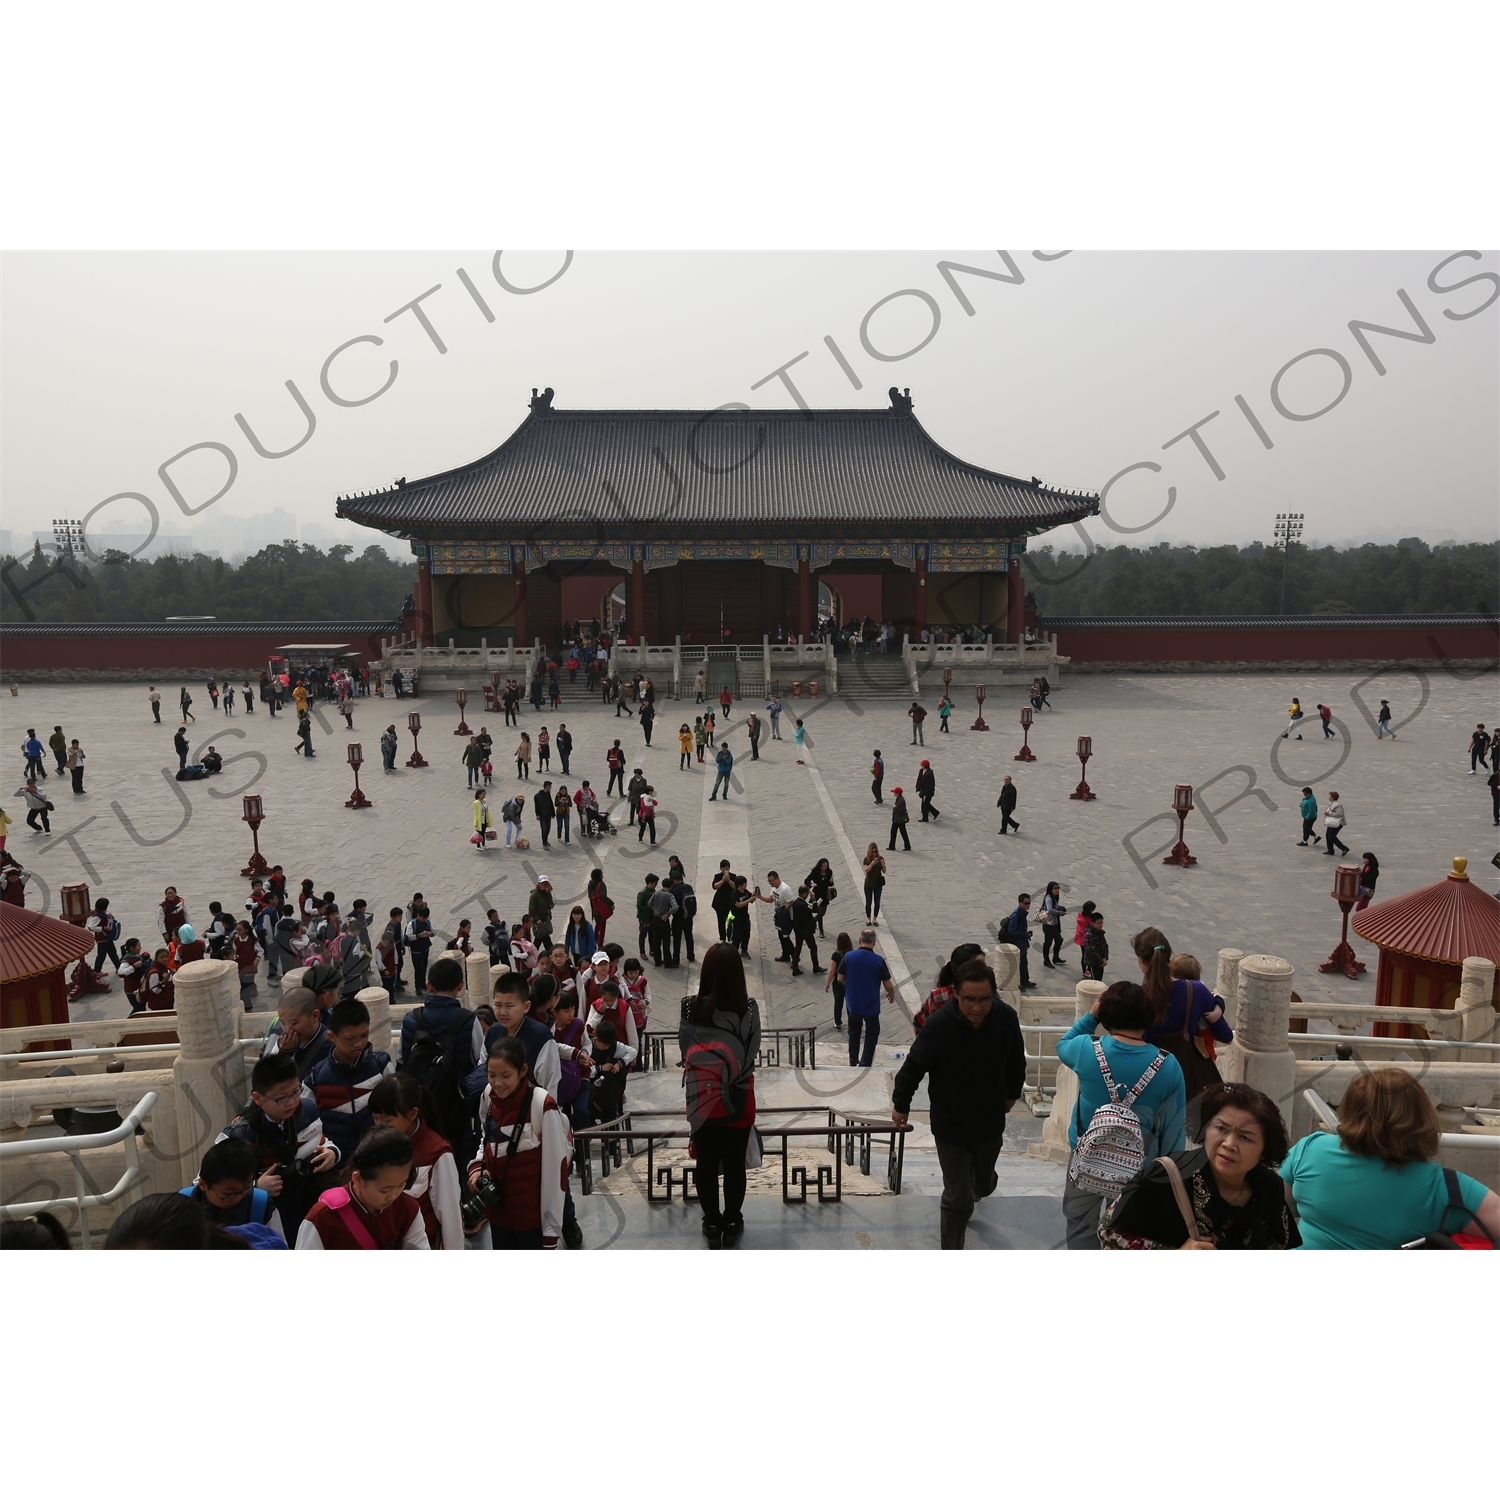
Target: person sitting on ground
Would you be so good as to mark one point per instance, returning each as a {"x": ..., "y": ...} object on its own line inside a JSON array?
[
  {"x": 1233, "y": 1192},
  {"x": 372, "y": 1210},
  {"x": 225, "y": 1188},
  {"x": 1375, "y": 1185},
  {"x": 213, "y": 762}
]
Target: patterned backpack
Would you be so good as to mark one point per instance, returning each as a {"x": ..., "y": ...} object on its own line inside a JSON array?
[{"x": 1113, "y": 1148}]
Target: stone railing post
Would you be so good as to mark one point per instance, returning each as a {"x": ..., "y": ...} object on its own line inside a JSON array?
[
  {"x": 1006, "y": 962},
  {"x": 1476, "y": 1012},
  {"x": 1227, "y": 982},
  {"x": 1054, "y": 1146},
  {"x": 479, "y": 986},
  {"x": 1260, "y": 1054},
  {"x": 209, "y": 1072},
  {"x": 378, "y": 1003}
]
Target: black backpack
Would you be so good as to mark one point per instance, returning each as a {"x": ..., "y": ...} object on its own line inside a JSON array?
[{"x": 439, "y": 1061}]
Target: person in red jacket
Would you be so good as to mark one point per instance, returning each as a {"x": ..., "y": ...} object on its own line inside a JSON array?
[{"x": 373, "y": 1210}]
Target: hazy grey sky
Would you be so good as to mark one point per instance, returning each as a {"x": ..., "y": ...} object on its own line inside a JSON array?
[{"x": 113, "y": 363}]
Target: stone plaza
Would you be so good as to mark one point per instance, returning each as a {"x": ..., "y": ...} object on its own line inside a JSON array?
[{"x": 1410, "y": 801}]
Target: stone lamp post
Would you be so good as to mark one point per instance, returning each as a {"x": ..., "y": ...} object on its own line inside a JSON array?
[
  {"x": 1182, "y": 805},
  {"x": 254, "y": 815},
  {"x": 356, "y": 760},
  {"x": 979, "y": 699},
  {"x": 1085, "y": 750},
  {"x": 1025, "y": 752},
  {"x": 1346, "y": 892},
  {"x": 414, "y": 723}
]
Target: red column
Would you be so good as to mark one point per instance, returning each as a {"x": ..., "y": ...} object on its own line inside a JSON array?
[
  {"x": 638, "y": 598},
  {"x": 804, "y": 598},
  {"x": 921, "y": 594},
  {"x": 424, "y": 603},
  {"x": 1015, "y": 603},
  {"x": 523, "y": 629}
]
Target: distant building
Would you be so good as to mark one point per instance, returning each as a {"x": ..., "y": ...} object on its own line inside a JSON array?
[{"x": 727, "y": 518}]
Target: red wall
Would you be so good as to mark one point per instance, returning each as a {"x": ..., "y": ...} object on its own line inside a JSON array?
[
  {"x": 140, "y": 655},
  {"x": 1202, "y": 645}
]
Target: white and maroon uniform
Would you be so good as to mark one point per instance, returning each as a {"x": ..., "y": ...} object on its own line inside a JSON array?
[
  {"x": 533, "y": 1181},
  {"x": 398, "y": 1227},
  {"x": 435, "y": 1188}
]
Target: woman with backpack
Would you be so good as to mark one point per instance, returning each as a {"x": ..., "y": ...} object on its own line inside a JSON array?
[
  {"x": 1132, "y": 1105},
  {"x": 719, "y": 1038}
]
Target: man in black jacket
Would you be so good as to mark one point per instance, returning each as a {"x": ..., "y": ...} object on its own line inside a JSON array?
[
  {"x": 1006, "y": 802},
  {"x": 544, "y": 805},
  {"x": 973, "y": 1057}
]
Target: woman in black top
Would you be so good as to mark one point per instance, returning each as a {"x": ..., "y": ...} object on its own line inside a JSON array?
[
  {"x": 1369, "y": 873},
  {"x": 1233, "y": 1190},
  {"x": 843, "y": 946},
  {"x": 820, "y": 880},
  {"x": 744, "y": 899}
]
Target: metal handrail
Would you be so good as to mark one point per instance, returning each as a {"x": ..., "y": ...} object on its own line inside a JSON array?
[
  {"x": 75, "y": 1146},
  {"x": 1327, "y": 1120}
]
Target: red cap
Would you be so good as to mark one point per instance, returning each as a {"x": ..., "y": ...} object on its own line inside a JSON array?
[
  {"x": 926, "y": 762},
  {"x": 896, "y": 790}
]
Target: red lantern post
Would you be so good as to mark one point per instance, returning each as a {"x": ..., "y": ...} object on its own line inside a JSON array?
[
  {"x": 414, "y": 723},
  {"x": 492, "y": 693},
  {"x": 1346, "y": 892},
  {"x": 1025, "y": 751},
  {"x": 1182, "y": 805},
  {"x": 462, "y": 697},
  {"x": 356, "y": 760},
  {"x": 1085, "y": 750},
  {"x": 255, "y": 815},
  {"x": 77, "y": 908},
  {"x": 979, "y": 699}
]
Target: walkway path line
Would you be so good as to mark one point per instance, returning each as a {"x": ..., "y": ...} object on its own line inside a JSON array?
[{"x": 906, "y": 986}]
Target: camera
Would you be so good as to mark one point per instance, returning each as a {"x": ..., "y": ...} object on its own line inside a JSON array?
[
  {"x": 298, "y": 1166},
  {"x": 486, "y": 1195}
]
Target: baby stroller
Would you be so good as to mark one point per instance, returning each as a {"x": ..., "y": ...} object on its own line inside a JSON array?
[{"x": 598, "y": 825}]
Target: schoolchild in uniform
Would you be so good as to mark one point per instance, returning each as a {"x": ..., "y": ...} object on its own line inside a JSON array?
[
  {"x": 397, "y": 1101},
  {"x": 372, "y": 1210},
  {"x": 284, "y": 1127},
  {"x": 225, "y": 1189}
]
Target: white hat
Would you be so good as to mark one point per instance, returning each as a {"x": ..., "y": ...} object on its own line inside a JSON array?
[
  {"x": 601, "y": 957},
  {"x": 542, "y": 880}
]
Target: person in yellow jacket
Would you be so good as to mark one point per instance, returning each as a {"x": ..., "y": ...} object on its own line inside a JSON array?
[
  {"x": 1294, "y": 715},
  {"x": 482, "y": 819},
  {"x": 5, "y": 821},
  {"x": 299, "y": 697},
  {"x": 685, "y": 747}
]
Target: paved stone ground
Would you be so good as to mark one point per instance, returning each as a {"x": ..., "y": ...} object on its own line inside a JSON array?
[{"x": 1411, "y": 801}]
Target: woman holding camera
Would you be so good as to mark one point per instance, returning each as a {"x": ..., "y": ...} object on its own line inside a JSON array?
[{"x": 518, "y": 1180}]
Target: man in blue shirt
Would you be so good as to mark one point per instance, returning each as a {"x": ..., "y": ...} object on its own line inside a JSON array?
[
  {"x": 724, "y": 760},
  {"x": 865, "y": 972}
]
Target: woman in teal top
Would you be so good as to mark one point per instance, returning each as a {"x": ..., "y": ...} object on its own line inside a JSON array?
[
  {"x": 1375, "y": 1185},
  {"x": 1124, "y": 1011}
]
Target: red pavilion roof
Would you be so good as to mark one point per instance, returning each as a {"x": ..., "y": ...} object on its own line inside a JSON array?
[
  {"x": 32, "y": 944},
  {"x": 1447, "y": 922}
]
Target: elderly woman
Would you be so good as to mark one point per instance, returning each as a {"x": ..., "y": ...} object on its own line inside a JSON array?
[
  {"x": 1233, "y": 1195},
  {"x": 1375, "y": 1185}
]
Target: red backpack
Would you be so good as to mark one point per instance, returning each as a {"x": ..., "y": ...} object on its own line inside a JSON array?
[{"x": 709, "y": 1070}]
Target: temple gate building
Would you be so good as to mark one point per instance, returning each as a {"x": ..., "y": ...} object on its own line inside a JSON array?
[{"x": 721, "y": 524}]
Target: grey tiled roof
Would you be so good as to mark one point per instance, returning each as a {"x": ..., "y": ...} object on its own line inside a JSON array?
[{"x": 667, "y": 471}]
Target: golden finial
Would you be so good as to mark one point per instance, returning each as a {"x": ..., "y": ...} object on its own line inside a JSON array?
[{"x": 1460, "y": 868}]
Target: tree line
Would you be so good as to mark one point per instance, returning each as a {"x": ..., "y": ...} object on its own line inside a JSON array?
[
  {"x": 285, "y": 581},
  {"x": 1408, "y": 577}
]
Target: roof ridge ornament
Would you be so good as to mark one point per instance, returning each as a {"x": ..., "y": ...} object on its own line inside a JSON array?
[
  {"x": 900, "y": 401},
  {"x": 542, "y": 402}
]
